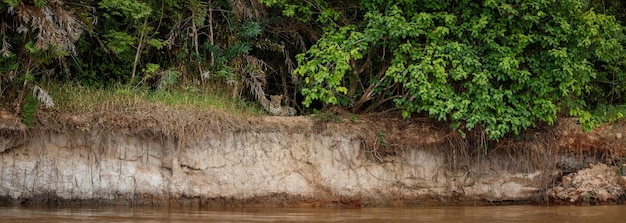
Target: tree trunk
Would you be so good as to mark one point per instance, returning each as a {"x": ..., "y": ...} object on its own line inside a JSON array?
[{"x": 142, "y": 36}]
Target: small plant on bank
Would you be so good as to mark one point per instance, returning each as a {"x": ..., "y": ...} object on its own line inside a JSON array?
[
  {"x": 327, "y": 116},
  {"x": 381, "y": 138},
  {"x": 29, "y": 110},
  {"x": 353, "y": 117}
]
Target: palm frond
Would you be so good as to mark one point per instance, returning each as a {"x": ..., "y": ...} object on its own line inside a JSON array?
[
  {"x": 5, "y": 49},
  {"x": 43, "y": 97},
  {"x": 250, "y": 29},
  {"x": 255, "y": 77},
  {"x": 54, "y": 25},
  {"x": 251, "y": 10},
  {"x": 291, "y": 66},
  {"x": 199, "y": 11}
]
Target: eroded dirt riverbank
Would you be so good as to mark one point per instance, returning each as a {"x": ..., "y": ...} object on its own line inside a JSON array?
[{"x": 299, "y": 161}]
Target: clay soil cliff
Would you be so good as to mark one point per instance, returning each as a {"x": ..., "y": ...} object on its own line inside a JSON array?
[{"x": 211, "y": 159}]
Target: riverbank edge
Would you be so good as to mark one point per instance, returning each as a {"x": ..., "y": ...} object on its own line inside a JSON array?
[{"x": 570, "y": 143}]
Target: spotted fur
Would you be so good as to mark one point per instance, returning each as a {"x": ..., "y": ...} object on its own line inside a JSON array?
[{"x": 275, "y": 107}]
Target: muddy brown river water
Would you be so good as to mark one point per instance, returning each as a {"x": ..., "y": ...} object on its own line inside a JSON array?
[{"x": 569, "y": 214}]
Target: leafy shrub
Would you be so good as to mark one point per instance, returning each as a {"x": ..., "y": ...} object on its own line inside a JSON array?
[{"x": 501, "y": 64}]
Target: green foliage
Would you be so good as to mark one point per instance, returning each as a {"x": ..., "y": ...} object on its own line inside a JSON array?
[
  {"x": 8, "y": 63},
  {"x": 133, "y": 10},
  {"x": 611, "y": 7},
  {"x": 233, "y": 51},
  {"x": 353, "y": 117},
  {"x": 74, "y": 98},
  {"x": 120, "y": 42},
  {"x": 586, "y": 119},
  {"x": 156, "y": 43},
  {"x": 327, "y": 62},
  {"x": 168, "y": 79},
  {"x": 318, "y": 10},
  {"x": 327, "y": 117},
  {"x": 381, "y": 138},
  {"x": 45, "y": 56},
  {"x": 151, "y": 68},
  {"x": 40, "y": 3},
  {"x": 250, "y": 30},
  {"x": 609, "y": 113},
  {"x": 497, "y": 65},
  {"x": 29, "y": 109},
  {"x": 198, "y": 10},
  {"x": 201, "y": 42},
  {"x": 11, "y": 3},
  {"x": 503, "y": 65}
]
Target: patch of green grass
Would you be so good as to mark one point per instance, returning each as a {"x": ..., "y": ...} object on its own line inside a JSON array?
[
  {"x": 327, "y": 117},
  {"x": 610, "y": 113},
  {"x": 74, "y": 98},
  {"x": 29, "y": 110}
]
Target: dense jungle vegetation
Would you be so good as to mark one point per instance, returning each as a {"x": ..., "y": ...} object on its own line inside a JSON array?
[{"x": 497, "y": 66}]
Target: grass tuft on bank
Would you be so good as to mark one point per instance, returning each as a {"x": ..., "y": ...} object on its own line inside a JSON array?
[
  {"x": 73, "y": 98},
  {"x": 185, "y": 112}
]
